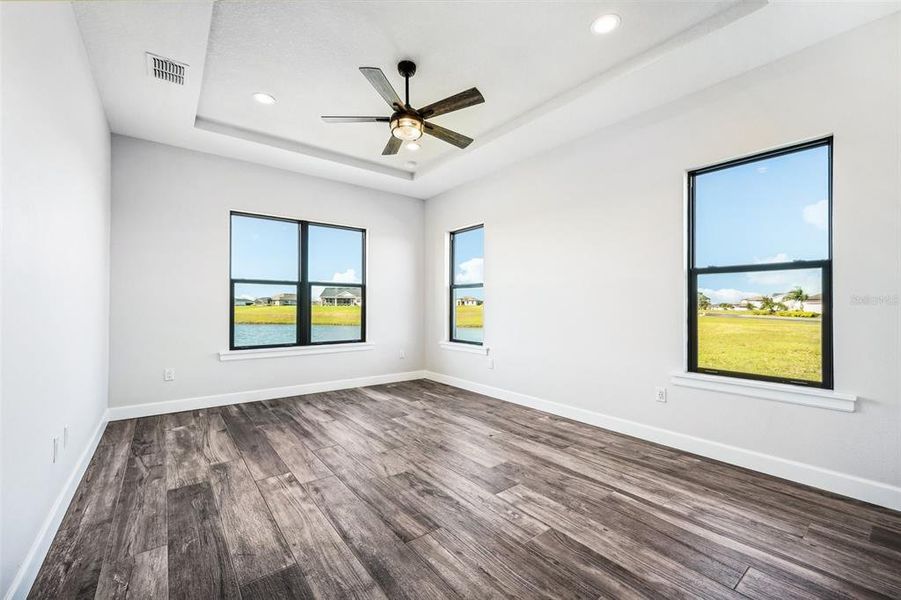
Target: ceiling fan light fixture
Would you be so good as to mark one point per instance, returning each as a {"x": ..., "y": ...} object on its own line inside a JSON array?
[
  {"x": 605, "y": 24},
  {"x": 414, "y": 146},
  {"x": 406, "y": 127}
]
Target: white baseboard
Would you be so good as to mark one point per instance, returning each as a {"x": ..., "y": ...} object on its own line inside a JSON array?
[
  {"x": 27, "y": 573},
  {"x": 852, "y": 486},
  {"x": 117, "y": 413}
]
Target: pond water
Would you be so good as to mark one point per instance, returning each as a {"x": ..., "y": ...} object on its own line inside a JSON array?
[
  {"x": 469, "y": 334},
  {"x": 264, "y": 335}
]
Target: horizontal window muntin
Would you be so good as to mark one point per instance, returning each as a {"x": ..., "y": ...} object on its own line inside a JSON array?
[
  {"x": 469, "y": 294},
  {"x": 303, "y": 302},
  {"x": 820, "y": 278}
]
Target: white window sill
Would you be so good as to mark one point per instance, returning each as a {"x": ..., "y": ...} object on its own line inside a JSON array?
[
  {"x": 780, "y": 392},
  {"x": 293, "y": 351},
  {"x": 458, "y": 347}
]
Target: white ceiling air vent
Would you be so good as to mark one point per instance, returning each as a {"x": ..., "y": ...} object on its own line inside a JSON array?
[{"x": 166, "y": 69}]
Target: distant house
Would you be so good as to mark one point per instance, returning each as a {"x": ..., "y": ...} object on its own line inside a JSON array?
[
  {"x": 263, "y": 301},
  {"x": 341, "y": 296},
  {"x": 284, "y": 299},
  {"x": 751, "y": 303},
  {"x": 814, "y": 303},
  {"x": 243, "y": 301},
  {"x": 469, "y": 301}
]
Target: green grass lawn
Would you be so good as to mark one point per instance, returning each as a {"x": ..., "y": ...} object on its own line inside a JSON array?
[
  {"x": 470, "y": 316},
  {"x": 773, "y": 347},
  {"x": 285, "y": 315}
]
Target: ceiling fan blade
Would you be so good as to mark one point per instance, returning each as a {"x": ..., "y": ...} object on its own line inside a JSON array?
[
  {"x": 451, "y": 137},
  {"x": 356, "y": 119},
  {"x": 382, "y": 86},
  {"x": 470, "y": 97},
  {"x": 392, "y": 146}
]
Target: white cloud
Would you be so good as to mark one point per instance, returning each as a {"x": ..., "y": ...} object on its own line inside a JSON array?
[
  {"x": 761, "y": 170},
  {"x": 817, "y": 214},
  {"x": 770, "y": 278},
  {"x": 348, "y": 276},
  {"x": 782, "y": 281},
  {"x": 471, "y": 271},
  {"x": 780, "y": 257},
  {"x": 727, "y": 295}
]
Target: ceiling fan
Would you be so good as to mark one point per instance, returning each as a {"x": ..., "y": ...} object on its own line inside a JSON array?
[{"x": 407, "y": 123}]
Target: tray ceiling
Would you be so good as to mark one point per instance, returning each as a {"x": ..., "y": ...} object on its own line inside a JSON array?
[{"x": 545, "y": 77}]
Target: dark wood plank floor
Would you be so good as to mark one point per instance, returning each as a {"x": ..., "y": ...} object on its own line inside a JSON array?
[{"x": 420, "y": 490}]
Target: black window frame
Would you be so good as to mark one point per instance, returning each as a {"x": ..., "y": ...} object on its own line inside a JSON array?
[
  {"x": 458, "y": 286},
  {"x": 825, "y": 266},
  {"x": 303, "y": 285}
]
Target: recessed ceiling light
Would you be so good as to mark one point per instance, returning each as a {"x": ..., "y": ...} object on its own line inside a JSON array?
[
  {"x": 410, "y": 164},
  {"x": 264, "y": 98},
  {"x": 605, "y": 24},
  {"x": 413, "y": 146}
]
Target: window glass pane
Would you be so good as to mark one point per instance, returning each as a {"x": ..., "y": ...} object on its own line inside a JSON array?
[
  {"x": 337, "y": 313},
  {"x": 265, "y": 314},
  {"x": 469, "y": 255},
  {"x": 263, "y": 249},
  {"x": 469, "y": 309},
  {"x": 762, "y": 323},
  {"x": 770, "y": 210},
  {"x": 335, "y": 254}
]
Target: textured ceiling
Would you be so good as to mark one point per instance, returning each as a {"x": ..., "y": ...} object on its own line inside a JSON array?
[
  {"x": 519, "y": 55},
  {"x": 546, "y": 79}
]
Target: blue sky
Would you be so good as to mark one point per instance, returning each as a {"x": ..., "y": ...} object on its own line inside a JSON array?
[
  {"x": 772, "y": 210},
  {"x": 267, "y": 249},
  {"x": 469, "y": 252}
]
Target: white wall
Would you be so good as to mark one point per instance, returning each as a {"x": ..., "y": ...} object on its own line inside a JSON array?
[
  {"x": 55, "y": 265},
  {"x": 169, "y": 278},
  {"x": 603, "y": 218}
]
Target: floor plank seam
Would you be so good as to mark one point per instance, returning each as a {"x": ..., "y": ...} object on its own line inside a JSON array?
[
  {"x": 231, "y": 560},
  {"x": 103, "y": 562},
  {"x": 737, "y": 583}
]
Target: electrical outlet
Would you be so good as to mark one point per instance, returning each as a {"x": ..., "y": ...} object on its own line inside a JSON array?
[
  {"x": 490, "y": 362},
  {"x": 54, "y": 449},
  {"x": 660, "y": 394},
  {"x": 169, "y": 374},
  {"x": 403, "y": 354}
]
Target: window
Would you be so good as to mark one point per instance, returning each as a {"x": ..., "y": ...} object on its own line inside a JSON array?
[
  {"x": 760, "y": 267},
  {"x": 295, "y": 283},
  {"x": 467, "y": 285}
]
